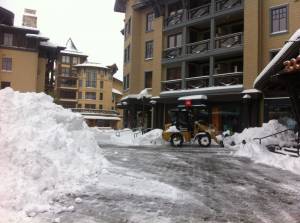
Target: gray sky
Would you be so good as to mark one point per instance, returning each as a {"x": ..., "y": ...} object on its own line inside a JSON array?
[{"x": 92, "y": 24}]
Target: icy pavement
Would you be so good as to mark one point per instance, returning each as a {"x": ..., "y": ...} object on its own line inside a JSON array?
[{"x": 216, "y": 187}]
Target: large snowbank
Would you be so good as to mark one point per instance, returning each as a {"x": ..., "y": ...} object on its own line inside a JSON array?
[
  {"x": 258, "y": 152},
  {"x": 127, "y": 137},
  {"x": 48, "y": 152},
  {"x": 45, "y": 151}
]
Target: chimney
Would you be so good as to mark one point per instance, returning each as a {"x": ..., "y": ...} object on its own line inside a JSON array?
[{"x": 30, "y": 18}]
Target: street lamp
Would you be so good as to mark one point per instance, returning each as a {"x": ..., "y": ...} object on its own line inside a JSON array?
[{"x": 247, "y": 100}]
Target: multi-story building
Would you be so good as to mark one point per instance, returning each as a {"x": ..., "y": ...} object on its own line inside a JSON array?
[
  {"x": 216, "y": 48},
  {"x": 27, "y": 57},
  {"x": 67, "y": 76},
  {"x": 88, "y": 88}
]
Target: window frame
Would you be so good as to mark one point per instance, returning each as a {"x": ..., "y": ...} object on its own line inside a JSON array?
[
  {"x": 271, "y": 10},
  {"x": 89, "y": 93},
  {"x": 64, "y": 59},
  {"x": 176, "y": 35},
  {"x": 149, "y": 51},
  {"x": 149, "y": 21},
  {"x": 91, "y": 81},
  {"x": 10, "y": 38},
  {"x": 145, "y": 79},
  {"x": 101, "y": 96},
  {"x": 7, "y": 67},
  {"x": 5, "y": 84}
]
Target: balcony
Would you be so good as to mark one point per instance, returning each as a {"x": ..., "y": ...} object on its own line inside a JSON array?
[
  {"x": 94, "y": 111},
  {"x": 172, "y": 53},
  {"x": 68, "y": 86},
  {"x": 72, "y": 75},
  {"x": 203, "y": 11},
  {"x": 199, "y": 12},
  {"x": 198, "y": 47},
  {"x": 203, "y": 47},
  {"x": 228, "y": 79},
  {"x": 171, "y": 85},
  {"x": 229, "y": 41},
  {"x": 197, "y": 82},
  {"x": 223, "y": 5}
]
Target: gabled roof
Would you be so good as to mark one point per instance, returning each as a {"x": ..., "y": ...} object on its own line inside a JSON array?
[{"x": 71, "y": 49}]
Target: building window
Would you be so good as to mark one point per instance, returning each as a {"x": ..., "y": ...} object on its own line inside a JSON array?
[
  {"x": 79, "y": 95},
  {"x": 91, "y": 78},
  {"x": 90, "y": 106},
  {"x": 175, "y": 40},
  {"x": 8, "y": 39},
  {"x": 90, "y": 95},
  {"x": 148, "y": 79},
  {"x": 100, "y": 107},
  {"x": 127, "y": 30},
  {"x": 174, "y": 73},
  {"x": 279, "y": 19},
  {"x": 80, "y": 83},
  {"x": 149, "y": 50},
  {"x": 127, "y": 55},
  {"x": 126, "y": 82},
  {"x": 149, "y": 22},
  {"x": 4, "y": 84},
  {"x": 65, "y": 59},
  {"x": 101, "y": 84},
  {"x": 65, "y": 71},
  {"x": 7, "y": 64},
  {"x": 75, "y": 60},
  {"x": 101, "y": 96}
]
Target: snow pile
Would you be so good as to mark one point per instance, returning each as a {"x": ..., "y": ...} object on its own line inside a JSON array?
[
  {"x": 127, "y": 137},
  {"x": 267, "y": 129},
  {"x": 45, "y": 152},
  {"x": 259, "y": 152},
  {"x": 172, "y": 129}
]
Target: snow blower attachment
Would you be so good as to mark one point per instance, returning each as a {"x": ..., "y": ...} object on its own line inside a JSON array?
[{"x": 189, "y": 123}]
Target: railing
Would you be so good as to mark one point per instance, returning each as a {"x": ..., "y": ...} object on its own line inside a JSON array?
[
  {"x": 68, "y": 86},
  {"x": 197, "y": 82},
  {"x": 94, "y": 111},
  {"x": 198, "y": 47},
  {"x": 172, "y": 53},
  {"x": 228, "y": 79},
  {"x": 222, "y": 5},
  {"x": 175, "y": 19},
  {"x": 203, "y": 10},
  {"x": 68, "y": 75},
  {"x": 171, "y": 85},
  {"x": 229, "y": 41}
]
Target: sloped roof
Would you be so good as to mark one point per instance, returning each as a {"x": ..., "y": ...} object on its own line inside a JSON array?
[
  {"x": 6, "y": 17},
  {"x": 72, "y": 49}
]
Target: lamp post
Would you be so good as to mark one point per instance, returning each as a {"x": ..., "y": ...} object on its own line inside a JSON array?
[
  {"x": 247, "y": 100},
  {"x": 153, "y": 103}
]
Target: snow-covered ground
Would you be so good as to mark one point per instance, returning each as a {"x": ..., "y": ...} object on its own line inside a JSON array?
[
  {"x": 259, "y": 152},
  {"x": 127, "y": 137},
  {"x": 47, "y": 152}
]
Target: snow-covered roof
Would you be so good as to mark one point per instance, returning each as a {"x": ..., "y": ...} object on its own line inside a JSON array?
[
  {"x": 116, "y": 91},
  {"x": 50, "y": 44},
  {"x": 37, "y": 36},
  {"x": 193, "y": 97},
  {"x": 251, "y": 91},
  {"x": 277, "y": 62},
  {"x": 99, "y": 117},
  {"x": 71, "y": 49},
  {"x": 91, "y": 64},
  {"x": 206, "y": 91},
  {"x": 144, "y": 94}
]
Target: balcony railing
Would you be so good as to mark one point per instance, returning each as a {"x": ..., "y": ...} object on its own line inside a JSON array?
[
  {"x": 171, "y": 85},
  {"x": 198, "y": 47},
  {"x": 94, "y": 111},
  {"x": 197, "y": 82},
  {"x": 229, "y": 41},
  {"x": 222, "y": 5},
  {"x": 68, "y": 75},
  {"x": 203, "y": 10},
  {"x": 175, "y": 19},
  {"x": 228, "y": 79},
  {"x": 68, "y": 86},
  {"x": 172, "y": 53}
]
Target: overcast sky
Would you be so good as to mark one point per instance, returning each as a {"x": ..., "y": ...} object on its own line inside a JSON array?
[{"x": 92, "y": 24}]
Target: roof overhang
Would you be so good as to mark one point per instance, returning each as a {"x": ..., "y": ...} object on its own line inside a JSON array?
[
  {"x": 290, "y": 49},
  {"x": 6, "y": 17},
  {"x": 120, "y": 6}
]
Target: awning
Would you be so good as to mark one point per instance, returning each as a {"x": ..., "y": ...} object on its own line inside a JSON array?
[
  {"x": 98, "y": 117},
  {"x": 290, "y": 49}
]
